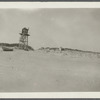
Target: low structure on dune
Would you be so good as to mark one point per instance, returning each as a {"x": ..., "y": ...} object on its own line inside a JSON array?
[
  {"x": 12, "y": 47},
  {"x": 7, "y": 48}
]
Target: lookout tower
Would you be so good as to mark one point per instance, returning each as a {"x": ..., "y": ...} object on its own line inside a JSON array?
[{"x": 23, "y": 41}]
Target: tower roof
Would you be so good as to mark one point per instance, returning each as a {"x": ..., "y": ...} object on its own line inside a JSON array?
[{"x": 24, "y": 34}]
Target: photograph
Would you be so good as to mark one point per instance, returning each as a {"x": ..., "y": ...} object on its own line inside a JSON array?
[{"x": 49, "y": 49}]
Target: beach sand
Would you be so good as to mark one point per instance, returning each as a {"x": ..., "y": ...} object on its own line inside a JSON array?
[{"x": 37, "y": 71}]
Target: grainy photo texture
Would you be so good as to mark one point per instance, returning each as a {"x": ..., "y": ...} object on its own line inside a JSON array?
[{"x": 50, "y": 50}]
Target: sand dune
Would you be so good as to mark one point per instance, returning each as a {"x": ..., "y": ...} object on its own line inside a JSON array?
[{"x": 32, "y": 71}]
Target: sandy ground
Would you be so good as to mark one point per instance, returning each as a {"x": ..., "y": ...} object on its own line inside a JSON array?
[{"x": 34, "y": 71}]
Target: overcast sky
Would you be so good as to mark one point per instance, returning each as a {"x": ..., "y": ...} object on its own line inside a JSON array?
[{"x": 71, "y": 28}]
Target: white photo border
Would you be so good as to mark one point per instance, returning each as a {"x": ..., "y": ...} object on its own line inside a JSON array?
[{"x": 28, "y": 5}]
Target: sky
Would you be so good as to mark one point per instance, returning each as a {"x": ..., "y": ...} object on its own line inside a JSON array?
[{"x": 76, "y": 28}]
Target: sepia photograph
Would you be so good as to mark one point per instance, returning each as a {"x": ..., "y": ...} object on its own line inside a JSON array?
[{"x": 49, "y": 49}]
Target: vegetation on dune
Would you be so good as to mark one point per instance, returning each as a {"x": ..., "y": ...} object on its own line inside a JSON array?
[{"x": 67, "y": 49}]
